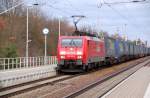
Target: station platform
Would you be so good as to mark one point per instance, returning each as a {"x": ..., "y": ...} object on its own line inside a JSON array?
[
  {"x": 22, "y": 75},
  {"x": 135, "y": 86}
]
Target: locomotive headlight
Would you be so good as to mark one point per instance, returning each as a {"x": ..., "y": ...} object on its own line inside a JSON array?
[
  {"x": 62, "y": 57},
  {"x": 79, "y": 53},
  {"x": 79, "y": 57},
  {"x": 62, "y": 52}
]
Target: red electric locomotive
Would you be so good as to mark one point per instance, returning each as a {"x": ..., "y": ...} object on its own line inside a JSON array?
[{"x": 79, "y": 53}]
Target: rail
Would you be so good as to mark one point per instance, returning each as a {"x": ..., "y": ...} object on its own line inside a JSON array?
[
  {"x": 107, "y": 77},
  {"x": 24, "y": 62}
]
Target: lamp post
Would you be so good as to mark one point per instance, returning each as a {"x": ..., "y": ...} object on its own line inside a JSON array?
[
  {"x": 27, "y": 33},
  {"x": 59, "y": 27},
  {"x": 45, "y": 32},
  {"x": 27, "y": 38}
]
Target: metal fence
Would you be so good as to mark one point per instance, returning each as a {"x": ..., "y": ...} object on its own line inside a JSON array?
[{"x": 23, "y": 62}]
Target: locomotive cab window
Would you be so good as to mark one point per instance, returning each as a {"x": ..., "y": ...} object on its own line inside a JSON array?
[{"x": 71, "y": 42}]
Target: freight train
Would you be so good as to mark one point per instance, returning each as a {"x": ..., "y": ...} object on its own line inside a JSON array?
[{"x": 83, "y": 52}]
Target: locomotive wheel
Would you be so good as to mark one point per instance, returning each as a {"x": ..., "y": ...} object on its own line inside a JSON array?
[
  {"x": 58, "y": 72},
  {"x": 85, "y": 68},
  {"x": 97, "y": 65}
]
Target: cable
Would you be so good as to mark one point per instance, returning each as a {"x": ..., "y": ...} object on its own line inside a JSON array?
[
  {"x": 134, "y": 1},
  {"x": 12, "y": 8},
  {"x": 58, "y": 9},
  {"x": 52, "y": 5},
  {"x": 121, "y": 15},
  {"x": 73, "y": 6}
]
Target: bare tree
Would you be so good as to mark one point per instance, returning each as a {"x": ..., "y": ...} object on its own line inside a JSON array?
[
  {"x": 13, "y": 29},
  {"x": 87, "y": 28}
]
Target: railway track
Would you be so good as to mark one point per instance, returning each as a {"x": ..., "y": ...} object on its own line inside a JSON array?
[
  {"x": 24, "y": 87},
  {"x": 20, "y": 88},
  {"x": 16, "y": 89},
  {"x": 80, "y": 93}
]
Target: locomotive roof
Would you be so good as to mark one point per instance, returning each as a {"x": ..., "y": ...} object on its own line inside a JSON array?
[{"x": 87, "y": 37}]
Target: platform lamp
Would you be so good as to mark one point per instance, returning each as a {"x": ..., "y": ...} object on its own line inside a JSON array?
[
  {"x": 27, "y": 31},
  {"x": 45, "y": 32}
]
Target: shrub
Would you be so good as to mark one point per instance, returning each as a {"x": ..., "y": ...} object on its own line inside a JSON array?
[{"x": 9, "y": 52}]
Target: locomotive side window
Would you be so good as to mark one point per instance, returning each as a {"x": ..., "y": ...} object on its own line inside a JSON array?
[{"x": 71, "y": 42}]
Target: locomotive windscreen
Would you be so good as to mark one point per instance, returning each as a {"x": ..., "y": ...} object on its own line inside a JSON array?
[{"x": 71, "y": 42}]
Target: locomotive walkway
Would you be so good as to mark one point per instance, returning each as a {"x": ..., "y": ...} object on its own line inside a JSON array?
[{"x": 136, "y": 86}]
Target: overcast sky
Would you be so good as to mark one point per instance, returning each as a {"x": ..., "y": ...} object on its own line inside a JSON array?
[{"x": 111, "y": 18}]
